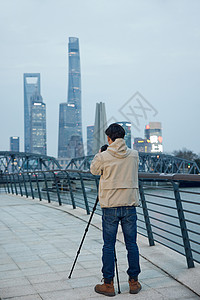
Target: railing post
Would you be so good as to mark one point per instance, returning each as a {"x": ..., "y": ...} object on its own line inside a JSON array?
[
  {"x": 31, "y": 186},
  {"x": 38, "y": 187},
  {"x": 11, "y": 184},
  {"x": 84, "y": 194},
  {"x": 97, "y": 184},
  {"x": 45, "y": 181},
  {"x": 146, "y": 215},
  {"x": 15, "y": 184},
  {"x": 25, "y": 185},
  {"x": 20, "y": 185},
  {"x": 7, "y": 183},
  {"x": 70, "y": 190},
  {"x": 57, "y": 189},
  {"x": 186, "y": 241}
]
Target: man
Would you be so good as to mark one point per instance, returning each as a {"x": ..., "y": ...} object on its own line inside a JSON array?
[{"x": 118, "y": 197}]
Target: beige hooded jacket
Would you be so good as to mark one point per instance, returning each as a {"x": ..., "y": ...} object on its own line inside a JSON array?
[{"x": 118, "y": 167}]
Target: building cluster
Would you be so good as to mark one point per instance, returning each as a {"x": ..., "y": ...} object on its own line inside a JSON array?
[
  {"x": 70, "y": 140},
  {"x": 152, "y": 141}
]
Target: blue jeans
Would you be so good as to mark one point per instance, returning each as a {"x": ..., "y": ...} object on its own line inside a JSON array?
[{"x": 110, "y": 222}]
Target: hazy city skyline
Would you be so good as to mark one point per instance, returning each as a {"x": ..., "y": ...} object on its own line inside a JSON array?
[{"x": 126, "y": 46}]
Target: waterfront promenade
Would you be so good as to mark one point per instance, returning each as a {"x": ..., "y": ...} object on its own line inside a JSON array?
[{"x": 38, "y": 244}]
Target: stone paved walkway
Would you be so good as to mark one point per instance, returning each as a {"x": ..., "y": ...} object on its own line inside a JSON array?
[{"x": 38, "y": 245}]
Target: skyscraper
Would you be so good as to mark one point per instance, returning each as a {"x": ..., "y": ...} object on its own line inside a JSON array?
[
  {"x": 38, "y": 125},
  {"x": 127, "y": 128},
  {"x": 34, "y": 115},
  {"x": 153, "y": 132},
  {"x": 70, "y": 142},
  {"x": 90, "y": 139},
  {"x": 14, "y": 143},
  {"x": 66, "y": 122},
  {"x": 100, "y": 126},
  {"x": 142, "y": 145}
]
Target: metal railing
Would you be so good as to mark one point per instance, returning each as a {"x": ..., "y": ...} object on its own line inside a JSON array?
[{"x": 169, "y": 211}]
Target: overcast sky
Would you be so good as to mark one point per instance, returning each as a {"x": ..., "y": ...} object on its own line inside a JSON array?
[{"x": 129, "y": 46}]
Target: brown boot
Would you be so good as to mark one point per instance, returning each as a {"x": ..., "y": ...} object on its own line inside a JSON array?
[
  {"x": 106, "y": 289},
  {"x": 135, "y": 286}
]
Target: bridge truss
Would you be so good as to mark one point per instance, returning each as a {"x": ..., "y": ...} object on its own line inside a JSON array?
[
  {"x": 148, "y": 162},
  {"x": 11, "y": 162}
]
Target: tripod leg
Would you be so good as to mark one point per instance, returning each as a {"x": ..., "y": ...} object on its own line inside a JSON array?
[
  {"x": 117, "y": 274},
  {"x": 86, "y": 230}
]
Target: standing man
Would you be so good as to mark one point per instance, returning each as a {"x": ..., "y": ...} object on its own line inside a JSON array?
[{"x": 118, "y": 197}]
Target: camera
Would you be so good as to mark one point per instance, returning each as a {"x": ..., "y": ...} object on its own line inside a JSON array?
[{"x": 104, "y": 147}]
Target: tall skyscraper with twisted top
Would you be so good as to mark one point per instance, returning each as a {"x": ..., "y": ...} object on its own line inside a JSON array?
[{"x": 70, "y": 141}]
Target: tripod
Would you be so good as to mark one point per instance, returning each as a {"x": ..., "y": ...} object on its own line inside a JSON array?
[{"x": 79, "y": 249}]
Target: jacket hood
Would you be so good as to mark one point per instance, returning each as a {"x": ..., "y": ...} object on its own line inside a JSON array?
[{"x": 119, "y": 149}]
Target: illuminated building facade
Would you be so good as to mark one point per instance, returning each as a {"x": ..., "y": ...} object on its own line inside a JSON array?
[
  {"x": 142, "y": 145},
  {"x": 38, "y": 125},
  {"x": 14, "y": 143},
  {"x": 90, "y": 139},
  {"x": 70, "y": 142},
  {"x": 127, "y": 128},
  {"x": 153, "y": 132}
]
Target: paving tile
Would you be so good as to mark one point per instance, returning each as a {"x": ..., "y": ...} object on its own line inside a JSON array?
[
  {"x": 52, "y": 286},
  {"x": 11, "y": 274},
  {"x": 152, "y": 273},
  {"x": 70, "y": 294},
  {"x": 44, "y": 278},
  {"x": 176, "y": 292},
  {"x": 24, "y": 258},
  {"x": 83, "y": 282},
  {"x": 8, "y": 267},
  {"x": 16, "y": 291},
  {"x": 31, "y": 264},
  {"x": 58, "y": 261},
  {"x": 36, "y": 271},
  {"x": 27, "y": 297},
  {"x": 161, "y": 282},
  {"x": 16, "y": 282}
]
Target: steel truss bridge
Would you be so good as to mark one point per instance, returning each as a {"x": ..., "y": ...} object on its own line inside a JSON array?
[
  {"x": 149, "y": 163},
  {"x": 17, "y": 162},
  {"x": 11, "y": 162}
]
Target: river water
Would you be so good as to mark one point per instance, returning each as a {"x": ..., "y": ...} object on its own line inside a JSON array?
[{"x": 164, "y": 217}]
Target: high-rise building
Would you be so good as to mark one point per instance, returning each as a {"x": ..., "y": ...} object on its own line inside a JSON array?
[
  {"x": 142, "y": 145},
  {"x": 14, "y": 143},
  {"x": 38, "y": 125},
  {"x": 90, "y": 139},
  {"x": 34, "y": 115},
  {"x": 127, "y": 128},
  {"x": 66, "y": 121},
  {"x": 70, "y": 119},
  {"x": 31, "y": 85},
  {"x": 153, "y": 132},
  {"x": 100, "y": 126}
]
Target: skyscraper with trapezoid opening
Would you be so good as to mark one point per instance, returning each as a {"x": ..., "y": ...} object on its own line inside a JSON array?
[{"x": 34, "y": 115}]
